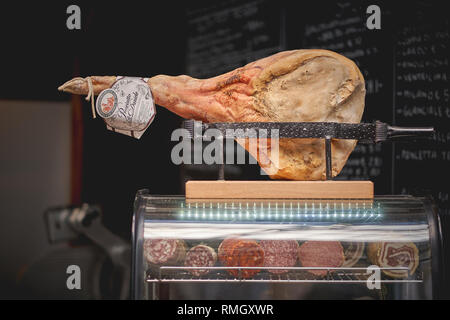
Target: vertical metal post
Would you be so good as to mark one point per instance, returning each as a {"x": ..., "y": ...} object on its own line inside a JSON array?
[
  {"x": 222, "y": 159},
  {"x": 329, "y": 174}
]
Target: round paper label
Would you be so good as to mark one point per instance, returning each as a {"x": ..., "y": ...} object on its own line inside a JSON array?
[
  {"x": 128, "y": 105},
  {"x": 106, "y": 103}
]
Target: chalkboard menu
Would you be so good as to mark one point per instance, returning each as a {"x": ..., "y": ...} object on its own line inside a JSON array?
[
  {"x": 342, "y": 28},
  {"x": 422, "y": 97},
  {"x": 228, "y": 34},
  {"x": 405, "y": 66}
]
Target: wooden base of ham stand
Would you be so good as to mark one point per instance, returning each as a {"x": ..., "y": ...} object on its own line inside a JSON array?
[{"x": 329, "y": 189}]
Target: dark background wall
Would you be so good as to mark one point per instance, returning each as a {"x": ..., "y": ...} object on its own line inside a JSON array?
[
  {"x": 40, "y": 53},
  {"x": 405, "y": 65}
]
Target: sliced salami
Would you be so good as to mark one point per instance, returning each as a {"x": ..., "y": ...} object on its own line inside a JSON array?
[
  {"x": 164, "y": 251},
  {"x": 394, "y": 254},
  {"x": 242, "y": 253},
  {"x": 224, "y": 249},
  {"x": 200, "y": 256},
  {"x": 279, "y": 253},
  {"x": 321, "y": 254}
]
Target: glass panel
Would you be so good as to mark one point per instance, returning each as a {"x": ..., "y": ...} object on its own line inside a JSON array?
[{"x": 286, "y": 249}]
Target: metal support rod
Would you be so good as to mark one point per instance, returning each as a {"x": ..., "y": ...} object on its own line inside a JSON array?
[
  {"x": 329, "y": 174},
  {"x": 222, "y": 159}
]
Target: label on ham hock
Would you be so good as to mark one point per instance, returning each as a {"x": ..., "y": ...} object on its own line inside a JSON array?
[{"x": 127, "y": 107}]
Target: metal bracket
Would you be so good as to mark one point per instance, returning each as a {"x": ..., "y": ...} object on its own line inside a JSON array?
[
  {"x": 329, "y": 173},
  {"x": 222, "y": 159},
  {"x": 290, "y": 130}
]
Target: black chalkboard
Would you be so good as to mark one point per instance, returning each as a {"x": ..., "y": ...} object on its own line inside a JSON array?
[
  {"x": 422, "y": 97},
  {"x": 342, "y": 28},
  {"x": 405, "y": 66},
  {"x": 228, "y": 34}
]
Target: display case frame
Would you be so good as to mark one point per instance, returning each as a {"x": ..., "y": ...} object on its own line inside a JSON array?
[{"x": 334, "y": 275}]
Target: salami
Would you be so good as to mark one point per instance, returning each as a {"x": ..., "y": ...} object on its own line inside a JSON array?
[
  {"x": 321, "y": 254},
  {"x": 200, "y": 256},
  {"x": 394, "y": 254},
  {"x": 164, "y": 251},
  {"x": 224, "y": 249},
  {"x": 242, "y": 253},
  {"x": 279, "y": 253}
]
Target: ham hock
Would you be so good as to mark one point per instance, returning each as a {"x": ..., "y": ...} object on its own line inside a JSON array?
[{"x": 298, "y": 85}]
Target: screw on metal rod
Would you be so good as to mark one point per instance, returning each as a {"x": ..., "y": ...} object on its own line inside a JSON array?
[
  {"x": 221, "y": 159},
  {"x": 329, "y": 175}
]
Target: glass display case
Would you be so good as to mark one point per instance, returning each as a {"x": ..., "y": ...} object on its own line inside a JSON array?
[{"x": 385, "y": 248}]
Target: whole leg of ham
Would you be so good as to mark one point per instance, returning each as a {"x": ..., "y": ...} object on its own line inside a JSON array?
[{"x": 298, "y": 85}]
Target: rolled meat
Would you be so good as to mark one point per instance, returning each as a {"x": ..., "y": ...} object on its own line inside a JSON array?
[{"x": 394, "y": 254}]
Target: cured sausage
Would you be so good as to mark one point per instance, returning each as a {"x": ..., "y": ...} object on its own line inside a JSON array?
[
  {"x": 225, "y": 248},
  {"x": 200, "y": 256},
  {"x": 321, "y": 254},
  {"x": 279, "y": 253},
  {"x": 164, "y": 251},
  {"x": 242, "y": 253}
]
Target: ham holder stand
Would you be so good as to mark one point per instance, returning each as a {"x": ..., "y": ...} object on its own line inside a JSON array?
[{"x": 329, "y": 189}]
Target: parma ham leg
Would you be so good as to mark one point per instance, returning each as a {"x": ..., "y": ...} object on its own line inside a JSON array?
[{"x": 298, "y": 85}]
